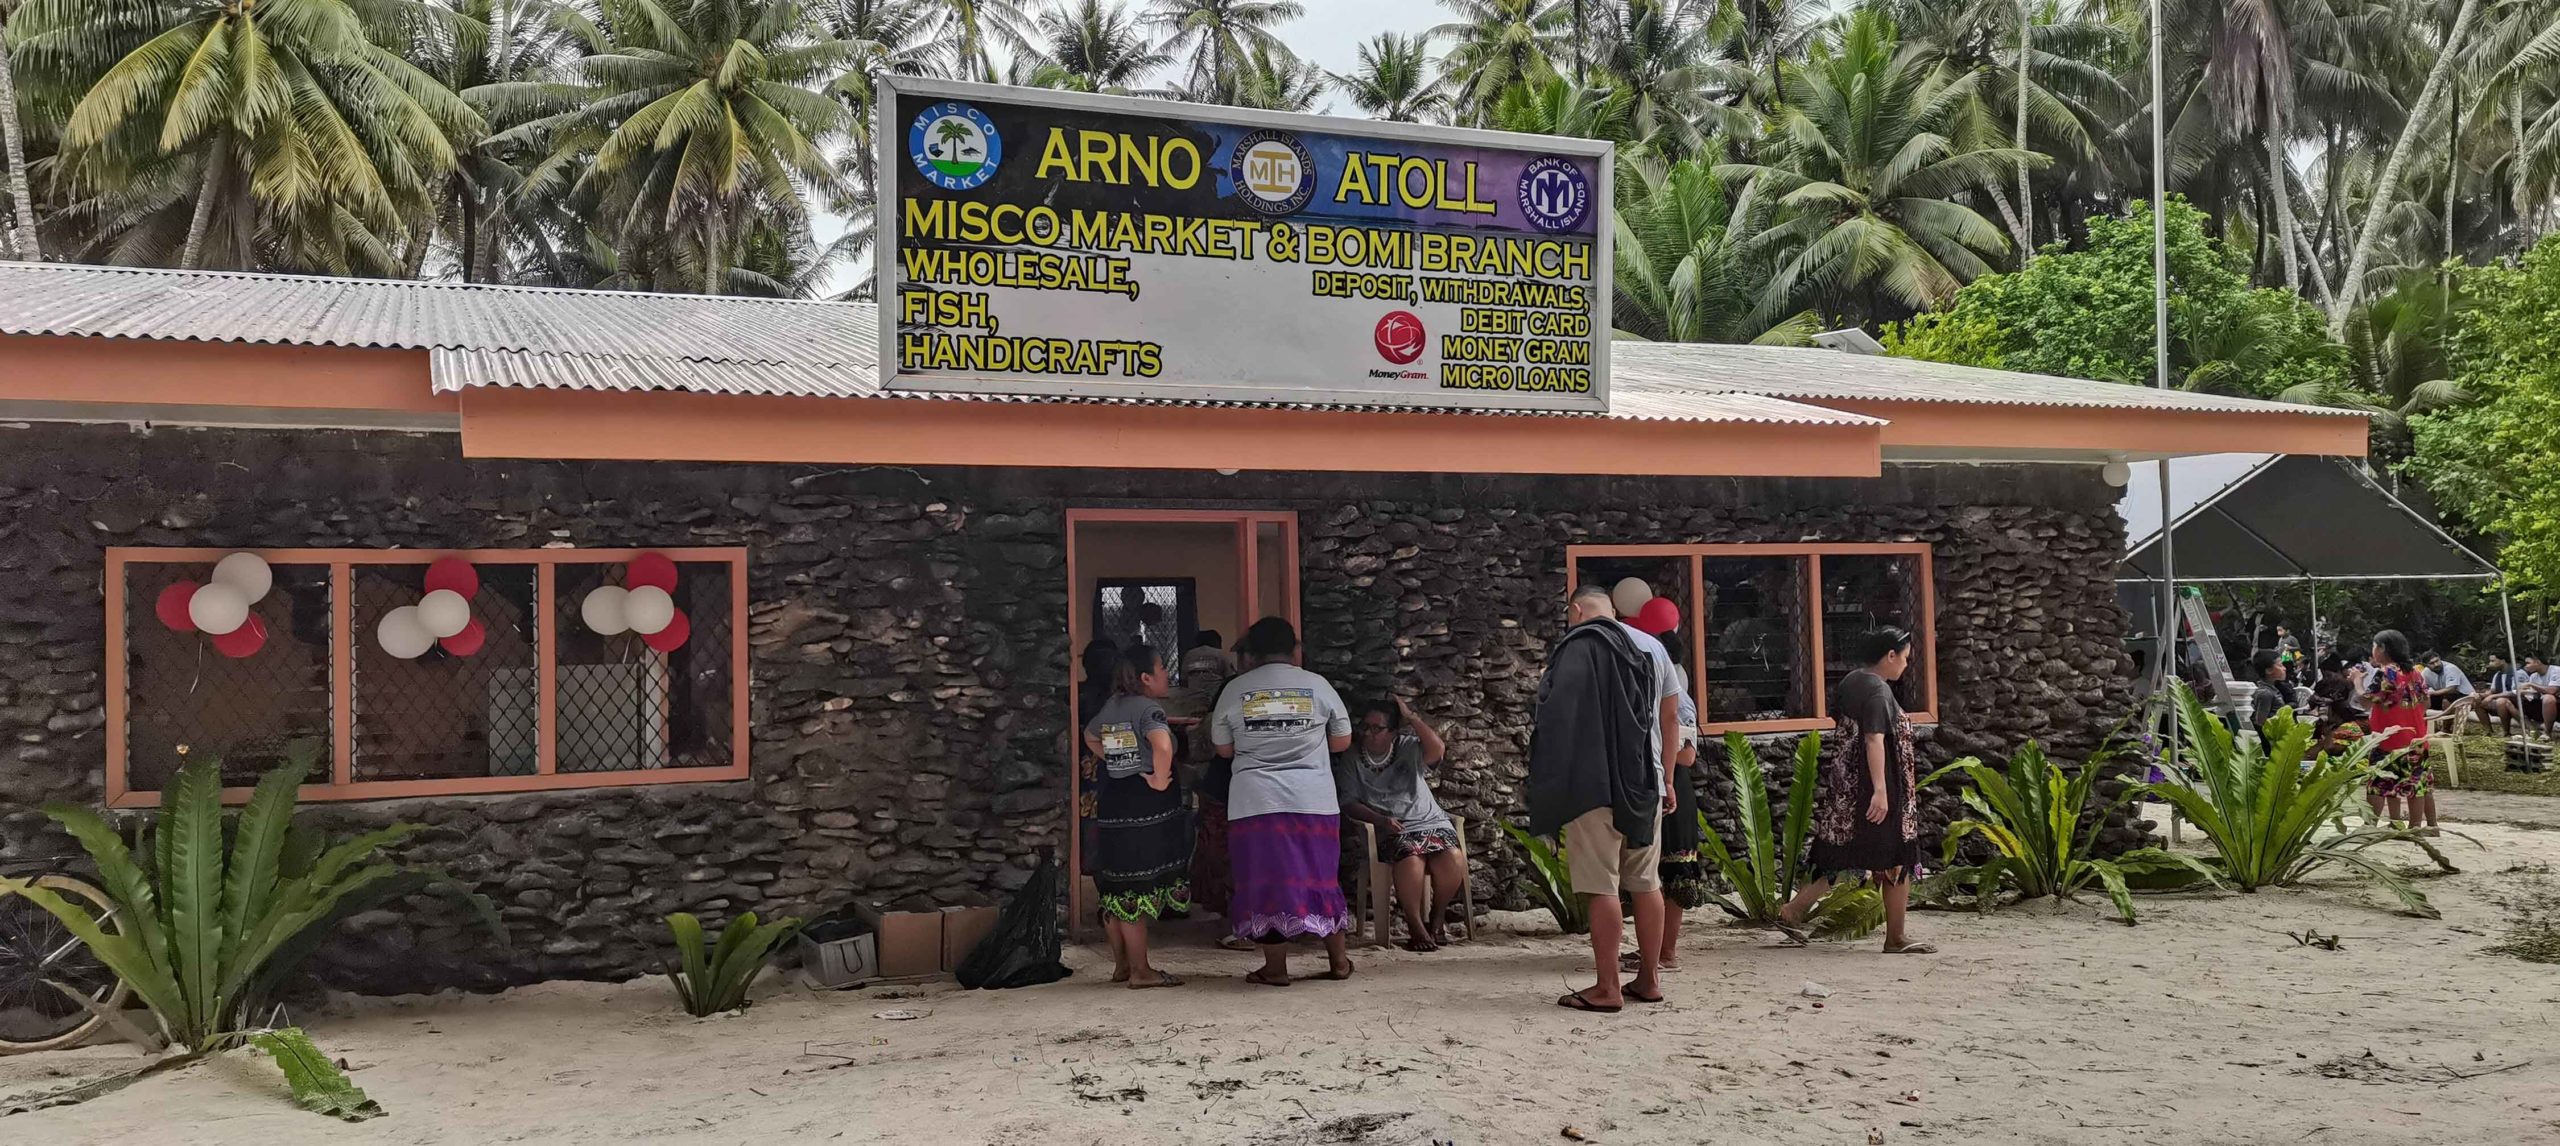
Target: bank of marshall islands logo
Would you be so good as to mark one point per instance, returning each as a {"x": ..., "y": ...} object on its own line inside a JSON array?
[
  {"x": 1272, "y": 172},
  {"x": 1554, "y": 193},
  {"x": 954, "y": 145}
]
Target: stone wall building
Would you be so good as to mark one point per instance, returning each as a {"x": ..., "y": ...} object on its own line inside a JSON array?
[{"x": 908, "y": 611}]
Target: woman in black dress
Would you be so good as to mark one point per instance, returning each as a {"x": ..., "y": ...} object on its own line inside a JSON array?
[
  {"x": 1864, "y": 817},
  {"x": 1143, "y": 861}
]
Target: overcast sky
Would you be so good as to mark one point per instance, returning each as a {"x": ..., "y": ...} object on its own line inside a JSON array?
[{"x": 1329, "y": 34}]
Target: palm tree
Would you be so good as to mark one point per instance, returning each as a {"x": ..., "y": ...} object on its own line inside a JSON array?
[
  {"x": 698, "y": 119},
  {"x": 13, "y": 156},
  {"x": 1216, "y": 35},
  {"x": 1271, "y": 79},
  {"x": 1495, "y": 46},
  {"x": 1864, "y": 170},
  {"x": 1393, "y": 81},
  {"x": 1684, "y": 271},
  {"x": 301, "y": 132},
  {"x": 2385, "y": 192},
  {"x": 1559, "y": 106},
  {"x": 1663, "y": 54},
  {"x": 1090, "y": 47},
  {"x": 967, "y": 31},
  {"x": 508, "y": 60}
]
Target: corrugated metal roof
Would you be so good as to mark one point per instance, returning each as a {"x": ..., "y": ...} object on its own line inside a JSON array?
[
  {"x": 610, "y": 340},
  {"x": 1815, "y": 374}
]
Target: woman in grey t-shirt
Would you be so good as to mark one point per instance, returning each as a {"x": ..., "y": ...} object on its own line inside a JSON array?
[
  {"x": 1281, "y": 724},
  {"x": 1384, "y": 783},
  {"x": 1143, "y": 827}
]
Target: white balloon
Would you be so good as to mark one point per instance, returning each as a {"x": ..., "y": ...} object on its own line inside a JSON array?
[
  {"x": 1630, "y": 595},
  {"x": 648, "y": 609},
  {"x": 444, "y": 613},
  {"x": 603, "y": 612},
  {"x": 246, "y": 572},
  {"x": 218, "y": 608},
  {"x": 402, "y": 635}
]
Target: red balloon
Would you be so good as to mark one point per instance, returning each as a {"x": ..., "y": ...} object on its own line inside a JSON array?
[
  {"x": 243, "y": 641},
  {"x": 650, "y": 569},
  {"x": 468, "y": 641},
  {"x": 453, "y": 573},
  {"x": 171, "y": 607},
  {"x": 672, "y": 637},
  {"x": 1658, "y": 616}
]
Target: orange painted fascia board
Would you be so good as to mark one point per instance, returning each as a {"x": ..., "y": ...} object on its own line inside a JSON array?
[
  {"x": 517, "y": 423},
  {"x": 247, "y": 376},
  {"x": 1959, "y": 425}
]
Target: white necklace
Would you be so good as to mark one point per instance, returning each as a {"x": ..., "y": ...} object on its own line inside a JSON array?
[{"x": 1376, "y": 762}]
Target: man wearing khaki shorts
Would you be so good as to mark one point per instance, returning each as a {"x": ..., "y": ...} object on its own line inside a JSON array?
[{"x": 1607, "y": 705}]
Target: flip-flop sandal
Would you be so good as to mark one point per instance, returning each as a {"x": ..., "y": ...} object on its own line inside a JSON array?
[
  {"x": 1630, "y": 991},
  {"x": 1162, "y": 979},
  {"x": 1576, "y": 1002},
  {"x": 1332, "y": 976},
  {"x": 1256, "y": 976},
  {"x": 1912, "y": 949}
]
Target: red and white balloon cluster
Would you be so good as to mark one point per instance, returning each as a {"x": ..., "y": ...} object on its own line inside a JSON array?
[
  {"x": 442, "y": 615},
  {"x": 219, "y": 607},
  {"x": 1638, "y": 607},
  {"x": 644, "y": 603}
]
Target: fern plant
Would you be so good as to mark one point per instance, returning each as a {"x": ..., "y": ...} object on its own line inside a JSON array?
[
  {"x": 1551, "y": 882},
  {"x": 2043, "y": 827},
  {"x": 204, "y": 928},
  {"x": 715, "y": 980},
  {"x": 1764, "y": 875},
  {"x": 2264, "y": 805}
]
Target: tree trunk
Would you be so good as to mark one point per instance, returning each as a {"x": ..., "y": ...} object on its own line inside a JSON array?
[
  {"x": 2386, "y": 188},
  {"x": 2026, "y": 194},
  {"x": 13, "y": 156},
  {"x": 192, "y": 257},
  {"x": 2280, "y": 183},
  {"x": 2009, "y": 216},
  {"x": 470, "y": 234},
  {"x": 711, "y": 249}
]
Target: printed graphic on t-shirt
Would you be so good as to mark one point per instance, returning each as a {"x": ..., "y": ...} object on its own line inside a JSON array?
[
  {"x": 1120, "y": 749},
  {"x": 1279, "y": 710}
]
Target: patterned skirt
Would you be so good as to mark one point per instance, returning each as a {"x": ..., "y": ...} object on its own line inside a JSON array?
[
  {"x": 1684, "y": 880},
  {"x": 1425, "y": 842},
  {"x": 1288, "y": 877},
  {"x": 1142, "y": 853}
]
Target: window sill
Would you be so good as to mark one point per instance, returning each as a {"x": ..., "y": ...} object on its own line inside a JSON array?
[{"x": 474, "y": 786}]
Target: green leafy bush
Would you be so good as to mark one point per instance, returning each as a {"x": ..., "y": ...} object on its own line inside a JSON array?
[
  {"x": 715, "y": 981},
  {"x": 1766, "y": 873},
  {"x": 2043, "y": 827},
  {"x": 1550, "y": 882},
  {"x": 2264, "y": 805},
  {"x": 205, "y": 928}
]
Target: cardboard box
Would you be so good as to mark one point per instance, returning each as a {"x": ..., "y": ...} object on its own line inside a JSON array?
[
  {"x": 962, "y": 928},
  {"x": 910, "y": 943}
]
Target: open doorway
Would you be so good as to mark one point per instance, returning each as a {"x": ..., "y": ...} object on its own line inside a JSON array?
[{"x": 1169, "y": 579}]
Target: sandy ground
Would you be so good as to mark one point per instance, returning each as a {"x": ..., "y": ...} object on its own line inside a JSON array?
[{"x": 2206, "y": 1024}]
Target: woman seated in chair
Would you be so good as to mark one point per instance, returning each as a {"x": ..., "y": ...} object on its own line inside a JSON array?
[{"x": 1382, "y": 783}]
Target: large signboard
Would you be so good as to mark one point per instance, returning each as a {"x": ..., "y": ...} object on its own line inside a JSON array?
[{"x": 1038, "y": 242}]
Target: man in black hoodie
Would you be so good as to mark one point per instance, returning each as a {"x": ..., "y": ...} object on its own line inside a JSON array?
[{"x": 1605, "y": 707}]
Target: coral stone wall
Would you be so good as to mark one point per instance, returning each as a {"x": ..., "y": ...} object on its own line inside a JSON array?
[{"x": 909, "y": 651}]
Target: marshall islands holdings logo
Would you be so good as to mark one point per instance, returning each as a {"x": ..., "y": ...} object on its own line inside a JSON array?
[
  {"x": 1554, "y": 193},
  {"x": 1272, "y": 172},
  {"x": 1399, "y": 337},
  {"x": 954, "y": 145}
]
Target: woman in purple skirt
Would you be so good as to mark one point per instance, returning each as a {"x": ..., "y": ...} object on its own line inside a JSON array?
[{"x": 1281, "y": 725}]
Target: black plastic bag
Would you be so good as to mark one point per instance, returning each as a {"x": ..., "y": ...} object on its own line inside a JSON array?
[{"x": 1023, "y": 949}]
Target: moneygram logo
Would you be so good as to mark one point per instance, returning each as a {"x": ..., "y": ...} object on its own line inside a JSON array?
[
  {"x": 1399, "y": 337},
  {"x": 1554, "y": 193},
  {"x": 954, "y": 145},
  {"x": 1272, "y": 172}
]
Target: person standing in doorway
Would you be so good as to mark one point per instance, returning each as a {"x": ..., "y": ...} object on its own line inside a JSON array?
[
  {"x": 1143, "y": 865},
  {"x": 1280, "y": 726},
  {"x": 1606, "y": 707},
  {"x": 2395, "y": 692},
  {"x": 1866, "y": 814},
  {"x": 1384, "y": 781}
]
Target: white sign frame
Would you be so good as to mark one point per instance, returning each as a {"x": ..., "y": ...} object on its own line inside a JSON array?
[{"x": 889, "y": 146}]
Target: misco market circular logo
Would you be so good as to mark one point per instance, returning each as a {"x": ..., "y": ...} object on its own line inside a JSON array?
[
  {"x": 1272, "y": 172},
  {"x": 1554, "y": 193},
  {"x": 954, "y": 145},
  {"x": 1400, "y": 337}
]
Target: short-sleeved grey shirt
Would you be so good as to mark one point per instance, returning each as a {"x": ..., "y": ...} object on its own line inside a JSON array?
[
  {"x": 1395, "y": 788},
  {"x": 1122, "y": 727},
  {"x": 1280, "y": 718}
]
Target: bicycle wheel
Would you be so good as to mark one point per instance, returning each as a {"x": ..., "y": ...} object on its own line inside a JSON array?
[{"x": 37, "y": 951}]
